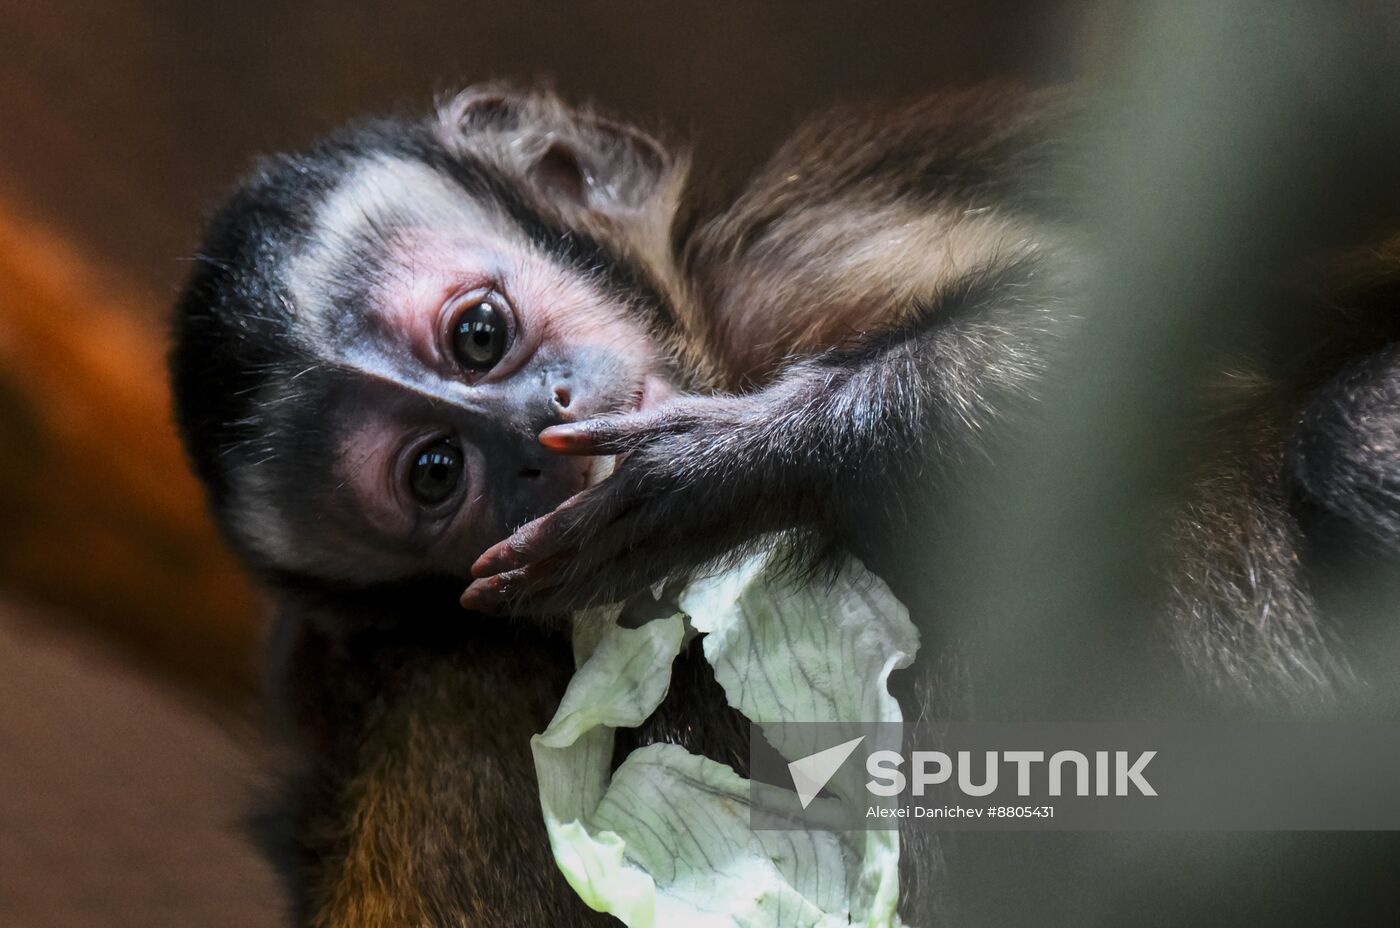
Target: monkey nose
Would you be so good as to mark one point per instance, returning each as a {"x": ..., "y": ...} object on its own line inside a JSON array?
[
  {"x": 547, "y": 483},
  {"x": 563, "y": 398}
]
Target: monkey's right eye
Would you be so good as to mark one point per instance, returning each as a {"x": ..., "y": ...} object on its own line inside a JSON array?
[
  {"x": 436, "y": 472},
  {"x": 480, "y": 335}
]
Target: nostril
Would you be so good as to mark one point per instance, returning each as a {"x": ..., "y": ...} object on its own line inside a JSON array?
[
  {"x": 562, "y": 397},
  {"x": 530, "y": 473}
]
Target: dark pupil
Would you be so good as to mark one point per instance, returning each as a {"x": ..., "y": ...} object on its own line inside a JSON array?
[
  {"x": 436, "y": 472},
  {"x": 481, "y": 337}
]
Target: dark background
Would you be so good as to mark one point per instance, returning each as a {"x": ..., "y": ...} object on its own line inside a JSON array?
[{"x": 123, "y": 120}]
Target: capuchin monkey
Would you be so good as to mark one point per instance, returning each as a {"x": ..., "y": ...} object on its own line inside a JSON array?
[{"x": 503, "y": 349}]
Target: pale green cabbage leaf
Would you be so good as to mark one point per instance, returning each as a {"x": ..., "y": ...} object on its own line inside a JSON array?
[{"x": 665, "y": 840}]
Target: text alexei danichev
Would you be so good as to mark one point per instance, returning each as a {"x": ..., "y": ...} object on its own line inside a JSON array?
[{"x": 960, "y": 812}]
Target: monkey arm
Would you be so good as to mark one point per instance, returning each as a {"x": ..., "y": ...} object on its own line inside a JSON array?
[{"x": 838, "y": 446}]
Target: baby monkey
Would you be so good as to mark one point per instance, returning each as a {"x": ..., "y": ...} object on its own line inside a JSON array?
[
  {"x": 501, "y": 348},
  {"x": 390, "y": 340}
]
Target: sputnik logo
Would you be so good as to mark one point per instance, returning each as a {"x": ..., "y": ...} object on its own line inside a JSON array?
[{"x": 811, "y": 773}]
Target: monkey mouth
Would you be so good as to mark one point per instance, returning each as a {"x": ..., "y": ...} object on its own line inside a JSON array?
[
  {"x": 599, "y": 469},
  {"x": 647, "y": 395}
]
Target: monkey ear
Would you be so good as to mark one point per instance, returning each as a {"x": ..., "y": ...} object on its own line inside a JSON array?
[
  {"x": 481, "y": 109},
  {"x": 605, "y": 166},
  {"x": 576, "y": 158},
  {"x": 560, "y": 174}
]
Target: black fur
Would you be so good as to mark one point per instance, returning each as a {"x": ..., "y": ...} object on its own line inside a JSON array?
[{"x": 1345, "y": 452}]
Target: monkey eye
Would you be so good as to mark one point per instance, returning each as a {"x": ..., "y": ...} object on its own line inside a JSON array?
[
  {"x": 436, "y": 472},
  {"x": 480, "y": 335}
]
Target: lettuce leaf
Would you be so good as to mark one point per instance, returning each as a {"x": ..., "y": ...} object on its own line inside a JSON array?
[{"x": 665, "y": 840}]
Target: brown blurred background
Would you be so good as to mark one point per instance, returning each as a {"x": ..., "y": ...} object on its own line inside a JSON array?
[{"x": 127, "y": 636}]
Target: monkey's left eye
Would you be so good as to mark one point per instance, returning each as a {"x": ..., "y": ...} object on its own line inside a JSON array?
[
  {"x": 480, "y": 335},
  {"x": 436, "y": 472}
]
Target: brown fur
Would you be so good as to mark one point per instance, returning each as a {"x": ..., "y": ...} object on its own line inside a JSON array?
[
  {"x": 865, "y": 213},
  {"x": 419, "y": 804}
]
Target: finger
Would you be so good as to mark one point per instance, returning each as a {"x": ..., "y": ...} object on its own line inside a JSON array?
[
  {"x": 485, "y": 596},
  {"x": 533, "y": 541},
  {"x": 557, "y": 558},
  {"x": 494, "y": 595},
  {"x": 607, "y": 435},
  {"x": 545, "y": 536},
  {"x": 574, "y": 438},
  {"x": 507, "y": 592}
]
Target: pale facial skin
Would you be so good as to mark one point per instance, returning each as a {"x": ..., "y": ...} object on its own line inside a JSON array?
[{"x": 460, "y": 348}]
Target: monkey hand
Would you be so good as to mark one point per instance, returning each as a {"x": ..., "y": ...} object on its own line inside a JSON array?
[{"x": 685, "y": 492}]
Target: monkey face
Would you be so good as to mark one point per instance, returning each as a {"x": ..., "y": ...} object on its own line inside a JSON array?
[
  {"x": 381, "y": 327},
  {"x": 439, "y": 342}
]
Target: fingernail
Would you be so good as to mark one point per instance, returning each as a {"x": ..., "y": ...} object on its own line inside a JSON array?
[
  {"x": 475, "y": 598},
  {"x": 558, "y": 437}
]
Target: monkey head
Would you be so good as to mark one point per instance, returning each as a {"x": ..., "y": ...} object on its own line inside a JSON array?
[{"x": 377, "y": 330}]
